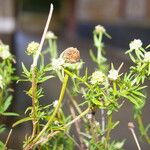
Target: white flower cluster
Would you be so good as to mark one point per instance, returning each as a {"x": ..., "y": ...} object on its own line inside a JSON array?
[
  {"x": 57, "y": 63},
  {"x": 135, "y": 44},
  {"x": 50, "y": 35},
  {"x": 89, "y": 116},
  {"x": 1, "y": 82},
  {"x": 99, "y": 29},
  {"x": 32, "y": 48},
  {"x": 4, "y": 51},
  {"x": 113, "y": 74},
  {"x": 55, "y": 103},
  {"x": 97, "y": 77},
  {"x": 147, "y": 57}
]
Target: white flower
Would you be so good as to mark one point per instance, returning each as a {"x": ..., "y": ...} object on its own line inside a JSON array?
[
  {"x": 97, "y": 77},
  {"x": 55, "y": 103},
  {"x": 50, "y": 35},
  {"x": 113, "y": 74},
  {"x": 56, "y": 122},
  {"x": 97, "y": 123},
  {"x": 99, "y": 29},
  {"x": 89, "y": 116},
  {"x": 147, "y": 57},
  {"x": 1, "y": 82},
  {"x": 135, "y": 44},
  {"x": 57, "y": 63},
  {"x": 4, "y": 51},
  {"x": 32, "y": 48}
]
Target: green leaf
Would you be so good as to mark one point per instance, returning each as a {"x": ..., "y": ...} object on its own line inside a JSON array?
[
  {"x": 45, "y": 79},
  {"x": 93, "y": 56},
  {"x": 27, "y": 73},
  {"x": 2, "y": 146},
  {"x": 131, "y": 99},
  {"x": 21, "y": 121},
  {"x": 9, "y": 114},
  {"x": 2, "y": 128},
  {"x": 7, "y": 103}
]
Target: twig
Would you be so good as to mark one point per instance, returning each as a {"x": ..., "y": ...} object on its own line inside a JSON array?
[
  {"x": 131, "y": 128},
  {"x": 43, "y": 37},
  {"x": 103, "y": 120},
  {"x": 77, "y": 123},
  {"x": 8, "y": 137}
]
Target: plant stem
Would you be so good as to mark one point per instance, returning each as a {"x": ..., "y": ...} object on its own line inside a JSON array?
[
  {"x": 8, "y": 137},
  {"x": 62, "y": 93},
  {"x": 77, "y": 126},
  {"x": 62, "y": 128},
  {"x": 103, "y": 120},
  {"x": 75, "y": 103},
  {"x": 35, "y": 60},
  {"x": 108, "y": 130},
  {"x": 78, "y": 117},
  {"x": 135, "y": 138},
  {"x": 142, "y": 129},
  {"x": 74, "y": 75},
  {"x": 34, "y": 102}
]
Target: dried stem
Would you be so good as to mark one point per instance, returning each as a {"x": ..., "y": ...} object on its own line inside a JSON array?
[
  {"x": 103, "y": 120},
  {"x": 8, "y": 137},
  {"x": 131, "y": 128},
  {"x": 77, "y": 126},
  {"x": 62, "y": 93},
  {"x": 43, "y": 37}
]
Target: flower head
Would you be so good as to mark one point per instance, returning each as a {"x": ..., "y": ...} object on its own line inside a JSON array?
[
  {"x": 55, "y": 103},
  {"x": 70, "y": 55},
  {"x": 4, "y": 51},
  {"x": 57, "y": 63},
  {"x": 147, "y": 57},
  {"x": 89, "y": 116},
  {"x": 32, "y": 48},
  {"x": 50, "y": 35},
  {"x": 99, "y": 29},
  {"x": 113, "y": 74},
  {"x": 135, "y": 44},
  {"x": 97, "y": 77}
]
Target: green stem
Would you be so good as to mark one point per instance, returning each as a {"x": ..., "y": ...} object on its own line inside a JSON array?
[
  {"x": 75, "y": 104},
  {"x": 99, "y": 48},
  {"x": 74, "y": 75},
  {"x": 142, "y": 129},
  {"x": 55, "y": 110},
  {"x": 109, "y": 124},
  {"x": 34, "y": 102}
]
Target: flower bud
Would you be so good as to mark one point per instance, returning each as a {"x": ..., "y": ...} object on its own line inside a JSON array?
[
  {"x": 97, "y": 77},
  {"x": 32, "y": 48},
  {"x": 99, "y": 29},
  {"x": 50, "y": 35},
  {"x": 71, "y": 55},
  {"x": 4, "y": 51}
]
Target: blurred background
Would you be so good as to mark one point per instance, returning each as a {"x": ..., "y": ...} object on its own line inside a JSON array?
[{"x": 22, "y": 21}]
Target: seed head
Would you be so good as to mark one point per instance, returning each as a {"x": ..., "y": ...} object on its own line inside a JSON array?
[
  {"x": 131, "y": 125},
  {"x": 71, "y": 55},
  {"x": 32, "y": 48}
]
